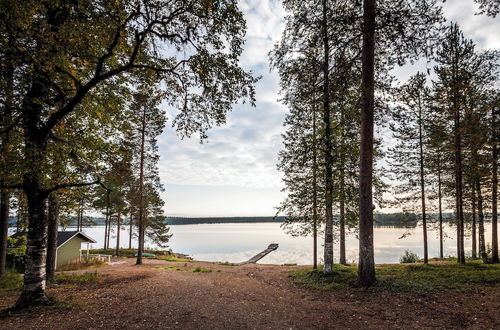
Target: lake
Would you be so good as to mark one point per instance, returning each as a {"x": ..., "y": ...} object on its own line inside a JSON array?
[{"x": 236, "y": 242}]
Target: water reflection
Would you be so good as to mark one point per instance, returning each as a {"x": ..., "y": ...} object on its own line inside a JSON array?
[{"x": 238, "y": 242}]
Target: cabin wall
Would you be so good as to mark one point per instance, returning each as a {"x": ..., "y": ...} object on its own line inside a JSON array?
[{"x": 69, "y": 252}]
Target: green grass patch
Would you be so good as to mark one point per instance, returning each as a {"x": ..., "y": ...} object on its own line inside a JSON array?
[
  {"x": 130, "y": 253},
  {"x": 227, "y": 263},
  {"x": 289, "y": 265},
  {"x": 173, "y": 258},
  {"x": 418, "y": 278},
  {"x": 11, "y": 280},
  {"x": 83, "y": 264},
  {"x": 201, "y": 270},
  {"x": 64, "y": 278}
]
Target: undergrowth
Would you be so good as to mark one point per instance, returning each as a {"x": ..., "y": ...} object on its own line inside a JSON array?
[
  {"x": 11, "y": 280},
  {"x": 415, "y": 277},
  {"x": 63, "y": 278}
]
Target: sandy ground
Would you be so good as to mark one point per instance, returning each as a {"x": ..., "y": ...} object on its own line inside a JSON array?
[{"x": 243, "y": 297}]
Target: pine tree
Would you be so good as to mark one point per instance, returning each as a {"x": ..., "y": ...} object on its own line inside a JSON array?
[{"x": 409, "y": 155}]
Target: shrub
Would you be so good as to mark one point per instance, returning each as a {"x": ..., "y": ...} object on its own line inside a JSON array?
[{"x": 408, "y": 258}]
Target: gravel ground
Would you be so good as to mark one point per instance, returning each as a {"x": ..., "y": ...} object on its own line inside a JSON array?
[{"x": 158, "y": 296}]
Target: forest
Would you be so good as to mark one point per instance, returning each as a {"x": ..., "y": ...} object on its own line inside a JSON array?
[{"x": 85, "y": 88}]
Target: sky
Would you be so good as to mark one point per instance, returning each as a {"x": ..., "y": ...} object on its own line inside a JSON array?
[{"x": 233, "y": 172}]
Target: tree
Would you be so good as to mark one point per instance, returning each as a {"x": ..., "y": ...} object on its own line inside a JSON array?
[
  {"x": 69, "y": 51},
  {"x": 489, "y": 7},
  {"x": 404, "y": 31},
  {"x": 462, "y": 78},
  {"x": 409, "y": 156},
  {"x": 149, "y": 122}
]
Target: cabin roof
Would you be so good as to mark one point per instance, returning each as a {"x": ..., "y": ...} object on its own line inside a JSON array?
[{"x": 64, "y": 236}]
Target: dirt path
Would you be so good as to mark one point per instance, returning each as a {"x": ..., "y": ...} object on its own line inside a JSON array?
[{"x": 242, "y": 297}]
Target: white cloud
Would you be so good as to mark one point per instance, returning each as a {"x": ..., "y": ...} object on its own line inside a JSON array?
[{"x": 243, "y": 153}]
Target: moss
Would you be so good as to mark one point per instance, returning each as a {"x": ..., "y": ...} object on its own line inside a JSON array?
[{"x": 418, "y": 278}]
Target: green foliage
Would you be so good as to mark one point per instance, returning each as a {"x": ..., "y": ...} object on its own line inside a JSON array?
[
  {"x": 408, "y": 257},
  {"x": 227, "y": 263},
  {"x": 417, "y": 278},
  {"x": 18, "y": 245},
  {"x": 11, "y": 280},
  {"x": 65, "y": 278}
]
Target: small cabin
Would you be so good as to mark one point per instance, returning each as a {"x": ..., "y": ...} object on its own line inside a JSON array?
[{"x": 69, "y": 245}]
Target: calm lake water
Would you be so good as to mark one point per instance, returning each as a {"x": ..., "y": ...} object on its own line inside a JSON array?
[{"x": 238, "y": 242}]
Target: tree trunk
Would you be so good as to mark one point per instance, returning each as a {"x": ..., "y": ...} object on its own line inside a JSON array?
[
  {"x": 4, "y": 228},
  {"x": 315, "y": 195},
  {"x": 140, "y": 248},
  {"x": 130, "y": 231},
  {"x": 458, "y": 174},
  {"x": 118, "y": 223},
  {"x": 33, "y": 292},
  {"x": 342, "y": 257},
  {"x": 474, "y": 235},
  {"x": 494, "y": 188},
  {"x": 53, "y": 221},
  {"x": 327, "y": 142},
  {"x": 440, "y": 207},
  {"x": 422, "y": 181},
  {"x": 482, "y": 243},
  {"x": 366, "y": 267},
  {"x": 108, "y": 241},
  {"x": 106, "y": 220}
]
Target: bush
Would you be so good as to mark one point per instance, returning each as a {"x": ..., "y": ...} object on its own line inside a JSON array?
[{"x": 408, "y": 258}]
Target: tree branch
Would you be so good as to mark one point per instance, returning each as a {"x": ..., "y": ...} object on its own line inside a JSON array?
[{"x": 71, "y": 185}]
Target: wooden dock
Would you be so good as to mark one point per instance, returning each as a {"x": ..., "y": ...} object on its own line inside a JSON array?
[{"x": 270, "y": 248}]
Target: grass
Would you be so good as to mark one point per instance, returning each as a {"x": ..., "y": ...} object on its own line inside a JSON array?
[
  {"x": 11, "y": 280},
  {"x": 195, "y": 270},
  {"x": 64, "y": 278},
  {"x": 173, "y": 258},
  {"x": 227, "y": 263},
  {"x": 418, "y": 278},
  {"x": 84, "y": 264},
  {"x": 130, "y": 253},
  {"x": 201, "y": 270}
]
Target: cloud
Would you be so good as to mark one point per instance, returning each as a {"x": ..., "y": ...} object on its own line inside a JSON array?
[{"x": 242, "y": 155}]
